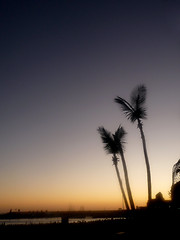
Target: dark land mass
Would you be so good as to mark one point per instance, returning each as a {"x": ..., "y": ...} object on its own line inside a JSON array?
[
  {"x": 64, "y": 214},
  {"x": 140, "y": 224}
]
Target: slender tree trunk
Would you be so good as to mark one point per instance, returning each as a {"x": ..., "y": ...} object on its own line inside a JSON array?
[
  {"x": 121, "y": 185},
  {"x": 146, "y": 160},
  {"x": 127, "y": 181}
]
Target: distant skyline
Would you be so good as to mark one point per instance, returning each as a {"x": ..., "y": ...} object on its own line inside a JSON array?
[{"x": 62, "y": 64}]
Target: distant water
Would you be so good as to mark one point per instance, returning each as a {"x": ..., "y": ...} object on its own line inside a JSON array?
[{"x": 27, "y": 221}]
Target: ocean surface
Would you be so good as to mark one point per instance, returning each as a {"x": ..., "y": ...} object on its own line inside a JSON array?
[{"x": 27, "y": 221}]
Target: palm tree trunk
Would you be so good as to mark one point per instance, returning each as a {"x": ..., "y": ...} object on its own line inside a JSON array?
[
  {"x": 146, "y": 160},
  {"x": 121, "y": 185},
  {"x": 127, "y": 181}
]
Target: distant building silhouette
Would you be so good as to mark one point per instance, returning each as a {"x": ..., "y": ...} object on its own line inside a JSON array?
[
  {"x": 175, "y": 195},
  {"x": 159, "y": 202},
  {"x": 175, "y": 189},
  {"x": 176, "y": 172}
]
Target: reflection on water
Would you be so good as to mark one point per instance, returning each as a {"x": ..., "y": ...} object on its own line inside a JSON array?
[
  {"x": 27, "y": 221},
  {"x": 87, "y": 219},
  {"x": 30, "y": 221}
]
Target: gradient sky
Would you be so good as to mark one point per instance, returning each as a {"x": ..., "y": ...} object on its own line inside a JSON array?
[{"x": 62, "y": 64}]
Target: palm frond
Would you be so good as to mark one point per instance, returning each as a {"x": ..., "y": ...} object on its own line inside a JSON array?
[
  {"x": 125, "y": 106},
  {"x": 108, "y": 141},
  {"x": 135, "y": 109},
  {"x": 138, "y": 96},
  {"x": 119, "y": 137}
]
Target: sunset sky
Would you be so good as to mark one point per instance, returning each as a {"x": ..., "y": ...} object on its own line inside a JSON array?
[{"x": 62, "y": 64}]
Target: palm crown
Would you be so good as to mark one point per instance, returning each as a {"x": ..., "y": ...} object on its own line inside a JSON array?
[
  {"x": 134, "y": 110},
  {"x": 110, "y": 145},
  {"x": 113, "y": 143},
  {"x": 119, "y": 138}
]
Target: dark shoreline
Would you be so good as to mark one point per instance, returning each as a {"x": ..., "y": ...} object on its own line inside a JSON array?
[
  {"x": 67, "y": 214},
  {"x": 149, "y": 223}
]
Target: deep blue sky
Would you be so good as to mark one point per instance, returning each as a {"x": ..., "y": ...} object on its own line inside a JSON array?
[{"x": 62, "y": 63}]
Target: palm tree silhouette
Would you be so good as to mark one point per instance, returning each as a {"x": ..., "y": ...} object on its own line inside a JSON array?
[
  {"x": 119, "y": 138},
  {"x": 111, "y": 148},
  {"x": 135, "y": 111}
]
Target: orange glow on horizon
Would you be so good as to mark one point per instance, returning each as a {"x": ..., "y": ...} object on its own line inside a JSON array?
[{"x": 47, "y": 202}]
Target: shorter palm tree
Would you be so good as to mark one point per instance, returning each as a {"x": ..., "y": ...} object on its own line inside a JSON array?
[
  {"x": 119, "y": 138},
  {"x": 111, "y": 147}
]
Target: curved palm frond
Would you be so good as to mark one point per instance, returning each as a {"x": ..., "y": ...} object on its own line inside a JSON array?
[
  {"x": 135, "y": 109},
  {"x": 108, "y": 141},
  {"x": 119, "y": 138},
  {"x": 126, "y": 107}
]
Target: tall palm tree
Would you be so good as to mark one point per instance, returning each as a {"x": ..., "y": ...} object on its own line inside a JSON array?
[
  {"x": 111, "y": 148},
  {"x": 119, "y": 138},
  {"x": 136, "y": 111}
]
